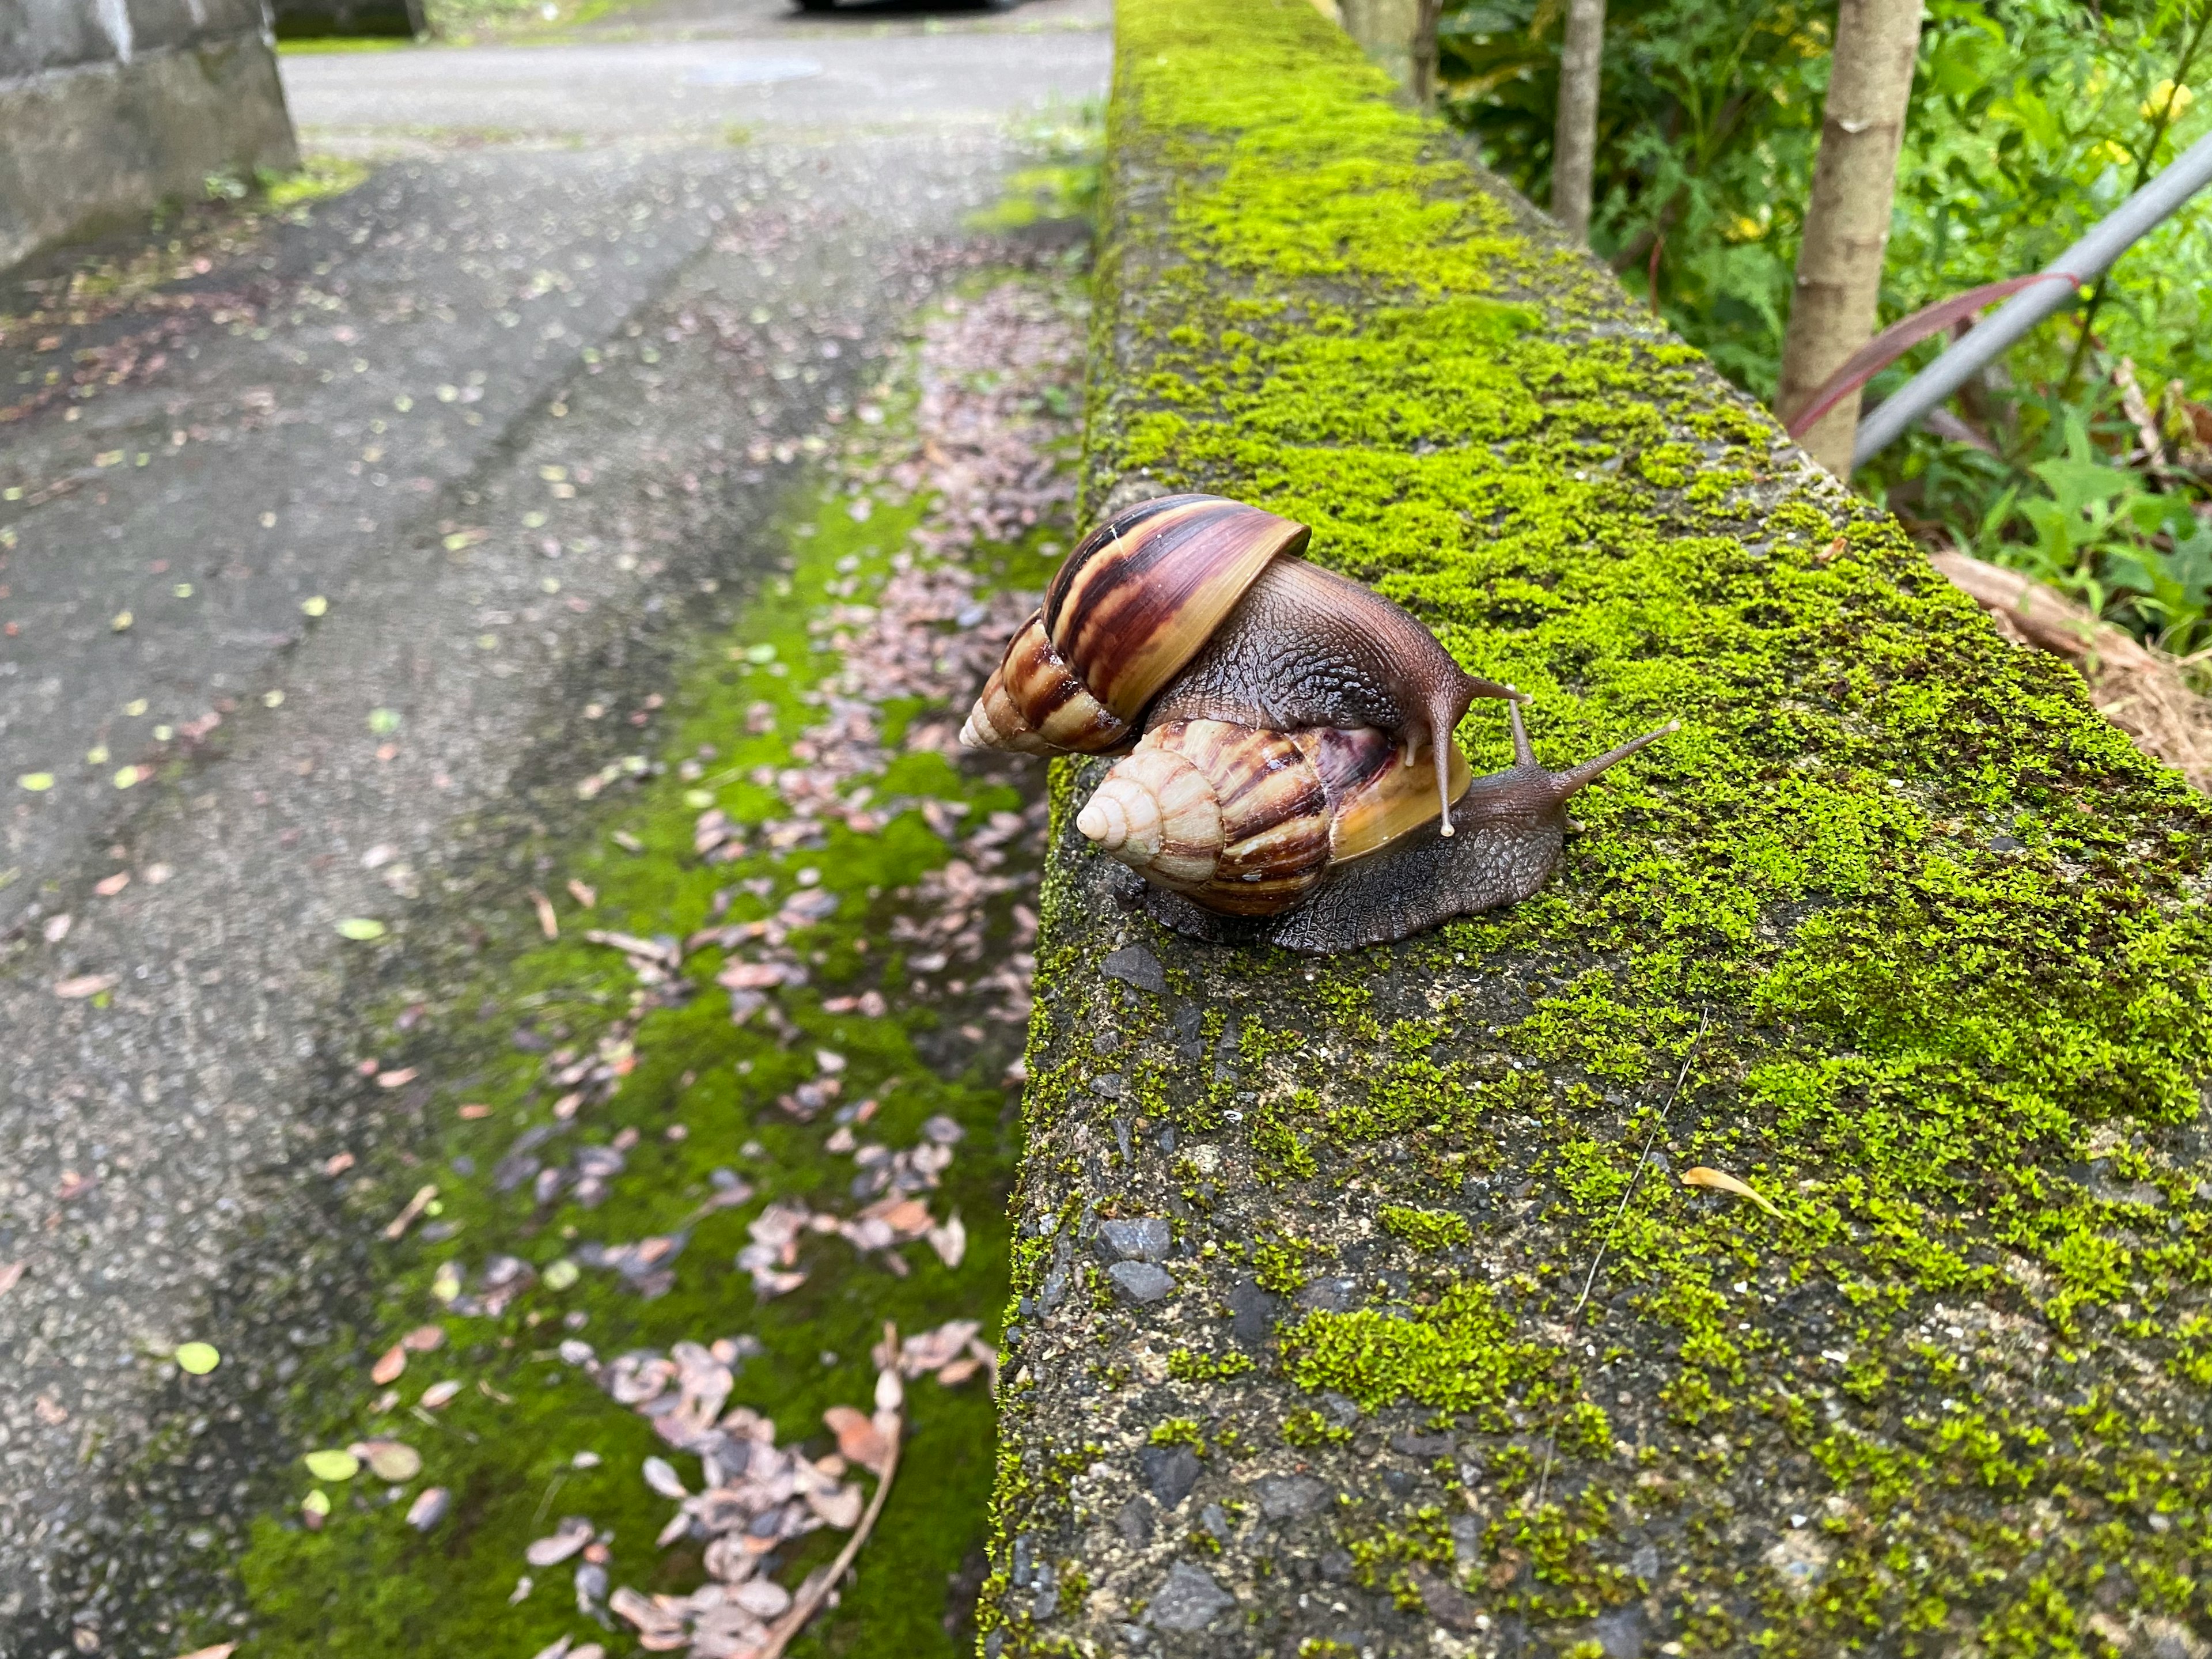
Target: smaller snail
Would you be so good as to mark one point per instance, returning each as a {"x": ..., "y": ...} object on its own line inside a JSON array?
[
  {"x": 1386, "y": 870},
  {"x": 1192, "y": 607}
]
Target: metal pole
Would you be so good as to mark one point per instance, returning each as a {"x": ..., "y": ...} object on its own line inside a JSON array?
[{"x": 2112, "y": 237}]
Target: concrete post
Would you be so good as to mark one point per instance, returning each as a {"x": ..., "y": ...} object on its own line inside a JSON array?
[
  {"x": 107, "y": 109},
  {"x": 1401, "y": 35}
]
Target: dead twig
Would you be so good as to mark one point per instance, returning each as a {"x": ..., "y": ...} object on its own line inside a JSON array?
[
  {"x": 816, "y": 1589},
  {"x": 1635, "y": 1181}
]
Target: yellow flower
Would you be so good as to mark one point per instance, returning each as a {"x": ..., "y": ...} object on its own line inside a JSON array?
[{"x": 2168, "y": 99}]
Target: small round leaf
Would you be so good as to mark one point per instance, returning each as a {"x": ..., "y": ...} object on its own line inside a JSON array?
[{"x": 333, "y": 1465}]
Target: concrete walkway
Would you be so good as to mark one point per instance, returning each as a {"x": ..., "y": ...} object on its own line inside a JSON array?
[
  {"x": 752, "y": 66},
  {"x": 476, "y": 444}
]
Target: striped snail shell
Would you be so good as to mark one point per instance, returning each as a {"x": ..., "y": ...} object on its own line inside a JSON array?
[
  {"x": 1194, "y": 608},
  {"x": 1245, "y": 821},
  {"x": 1136, "y": 599}
]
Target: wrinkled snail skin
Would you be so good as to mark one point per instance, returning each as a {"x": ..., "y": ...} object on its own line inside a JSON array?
[
  {"x": 1307, "y": 647},
  {"x": 1512, "y": 827}
]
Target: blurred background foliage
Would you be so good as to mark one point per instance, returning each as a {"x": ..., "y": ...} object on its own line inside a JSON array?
[{"x": 2085, "y": 457}]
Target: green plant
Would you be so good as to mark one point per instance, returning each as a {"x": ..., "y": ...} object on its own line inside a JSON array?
[
  {"x": 2029, "y": 122},
  {"x": 1064, "y": 145},
  {"x": 2097, "y": 533}
]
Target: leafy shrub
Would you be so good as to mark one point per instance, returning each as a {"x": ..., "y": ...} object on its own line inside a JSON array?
[{"x": 2029, "y": 122}]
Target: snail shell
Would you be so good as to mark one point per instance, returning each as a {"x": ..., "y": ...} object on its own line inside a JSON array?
[
  {"x": 1138, "y": 598},
  {"x": 1191, "y": 607},
  {"x": 1246, "y": 821}
]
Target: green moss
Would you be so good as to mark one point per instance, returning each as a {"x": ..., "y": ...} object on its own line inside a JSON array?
[
  {"x": 1310, "y": 1428},
  {"x": 1425, "y": 1229},
  {"x": 1925, "y": 939},
  {"x": 699, "y": 1095},
  {"x": 1461, "y": 1354},
  {"x": 1188, "y": 1367},
  {"x": 1278, "y": 1261}
]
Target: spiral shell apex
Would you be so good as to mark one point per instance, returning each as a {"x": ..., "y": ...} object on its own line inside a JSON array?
[
  {"x": 1233, "y": 816},
  {"x": 1136, "y": 599}
]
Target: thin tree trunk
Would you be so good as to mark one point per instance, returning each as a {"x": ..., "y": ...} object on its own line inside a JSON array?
[
  {"x": 1401, "y": 35},
  {"x": 1574, "y": 143},
  {"x": 1831, "y": 314}
]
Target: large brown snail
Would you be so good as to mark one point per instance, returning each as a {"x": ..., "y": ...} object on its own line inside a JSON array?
[{"x": 1291, "y": 775}]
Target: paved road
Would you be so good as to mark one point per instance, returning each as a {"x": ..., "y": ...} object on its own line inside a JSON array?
[
  {"x": 755, "y": 67},
  {"x": 505, "y": 414}
]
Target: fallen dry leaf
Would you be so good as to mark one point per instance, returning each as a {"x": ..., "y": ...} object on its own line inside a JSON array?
[
  {"x": 109, "y": 886},
  {"x": 1718, "y": 1181},
  {"x": 10, "y": 1273},
  {"x": 398, "y": 1080},
  {"x": 548, "y": 923},
  {"x": 858, "y": 1442},
  {"x": 587, "y": 896},
  {"x": 907, "y": 1218},
  {"x": 839, "y": 1509},
  {"x": 424, "y": 1339},
  {"x": 84, "y": 985},
  {"x": 950, "y": 1241},
  {"x": 574, "y": 1532},
  {"x": 338, "y": 1163},
  {"x": 390, "y": 1460},
  {"x": 389, "y": 1364}
]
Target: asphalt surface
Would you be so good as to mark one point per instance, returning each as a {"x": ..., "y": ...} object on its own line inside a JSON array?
[
  {"x": 413, "y": 521},
  {"x": 754, "y": 67}
]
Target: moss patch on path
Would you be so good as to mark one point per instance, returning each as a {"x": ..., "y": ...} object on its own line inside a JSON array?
[{"x": 574, "y": 1055}]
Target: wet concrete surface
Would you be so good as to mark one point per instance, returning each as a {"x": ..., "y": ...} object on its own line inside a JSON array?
[{"x": 493, "y": 432}]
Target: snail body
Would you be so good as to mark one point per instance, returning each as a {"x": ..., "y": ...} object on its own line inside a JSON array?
[
  {"x": 1288, "y": 774},
  {"x": 1512, "y": 829}
]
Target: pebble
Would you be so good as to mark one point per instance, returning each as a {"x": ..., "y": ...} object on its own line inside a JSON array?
[
  {"x": 1142, "y": 1281},
  {"x": 1141, "y": 1238},
  {"x": 1189, "y": 1599}
]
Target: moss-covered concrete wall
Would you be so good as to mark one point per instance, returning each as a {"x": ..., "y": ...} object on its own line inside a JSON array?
[{"x": 1445, "y": 1358}]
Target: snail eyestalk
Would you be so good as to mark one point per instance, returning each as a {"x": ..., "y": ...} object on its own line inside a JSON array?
[{"x": 1575, "y": 777}]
